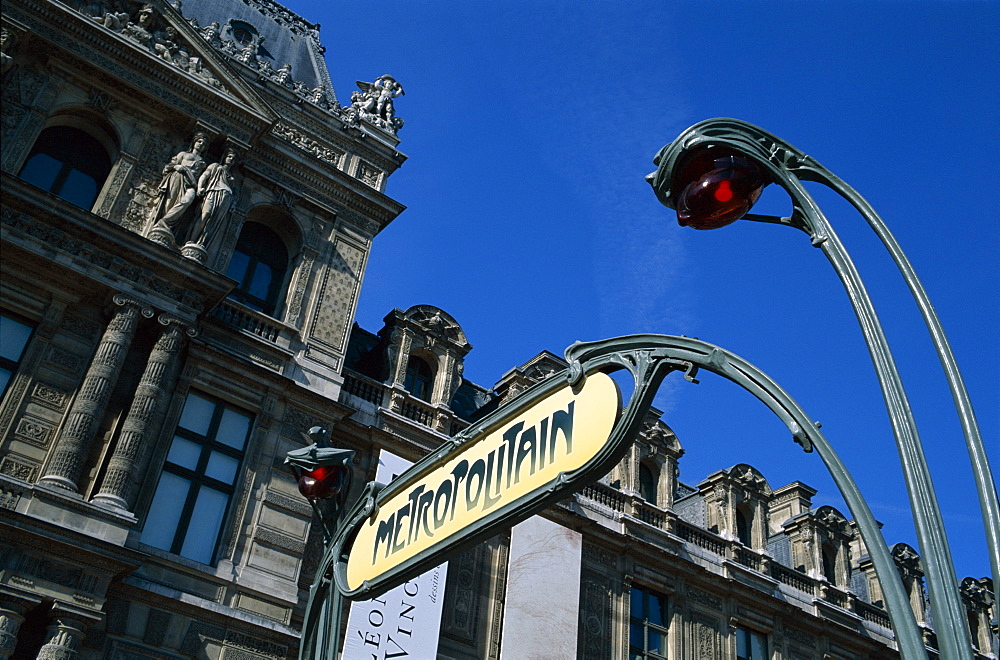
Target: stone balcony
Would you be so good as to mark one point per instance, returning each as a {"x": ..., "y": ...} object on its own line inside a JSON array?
[
  {"x": 726, "y": 556},
  {"x": 252, "y": 335},
  {"x": 393, "y": 402}
]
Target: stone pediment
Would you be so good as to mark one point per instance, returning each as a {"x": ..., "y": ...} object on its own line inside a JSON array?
[
  {"x": 518, "y": 379},
  {"x": 437, "y": 324},
  {"x": 831, "y": 519},
  {"x": 165, "y": 34}
]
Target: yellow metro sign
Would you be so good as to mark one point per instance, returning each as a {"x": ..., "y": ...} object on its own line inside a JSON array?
[{"x": 506, "y": 470}]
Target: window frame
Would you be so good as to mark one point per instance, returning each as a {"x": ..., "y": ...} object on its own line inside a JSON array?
[
  {"x": 8, "y": 364},
  {"x": 749, "y": 636},
  {"x": 646, "y": 625},
  {"x": 61, "y": 151},
  {"x": 241, "y": 293},
  {"x": 197, "y": 478},
  {"x": 414, "y": 376}
]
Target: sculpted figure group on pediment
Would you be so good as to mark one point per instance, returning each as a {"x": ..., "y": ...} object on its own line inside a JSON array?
[
  {"x": 193, "y": 199},
  {"x": 143, "y": 25}
]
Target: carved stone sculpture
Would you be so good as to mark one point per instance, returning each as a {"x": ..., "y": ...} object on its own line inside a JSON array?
[
  {"x": 249, "y": 54},
  {"x": 283, "y": 75},
  {"x": 215, "y": 187},
  {"x": 374, "y": 103},
  {"x": 178, "y": 190},
  {"x": 142, "y": 30},
  {"x": 6, "y": 46},
  {"x": 211, "y": 33}
]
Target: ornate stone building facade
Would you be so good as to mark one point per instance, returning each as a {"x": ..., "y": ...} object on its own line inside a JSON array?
[{"x": 187, "y": 214}]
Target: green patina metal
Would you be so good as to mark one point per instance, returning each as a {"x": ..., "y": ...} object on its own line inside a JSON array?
[
  {"x": 789, "y": 167},
  {"x": 648, "y": 359}
]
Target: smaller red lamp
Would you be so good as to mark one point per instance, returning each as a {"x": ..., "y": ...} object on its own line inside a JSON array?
[
  {"x": 321, "y": 471},
  {"x": 717, "y": 186},
  {"x": 323, "y": 482}
]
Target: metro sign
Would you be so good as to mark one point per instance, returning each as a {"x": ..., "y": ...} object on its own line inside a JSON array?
[{"x": 514, "y": 463}]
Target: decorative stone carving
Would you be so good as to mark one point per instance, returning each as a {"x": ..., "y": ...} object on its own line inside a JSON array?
[
  {"x": 369, "y": 174},
  {"x": 215, "y": 187},
  {"x": 338, "y": 293},
  {"x": 64, "y": 638},
  {"x": 595, "y": 617},
  {"x": 177, "y": 191},
  {"x": 7, "y": 41},
  {"x": 19, "y": 469},
  {"x": 11, "y": 617},
  {"x": 704, "y": 598},
  {"x": 907, "y": 560},
  {"x": 705, "y": 637},
  {"x": 145, "y": 27},
  {"x": 307, "y": 144},
  {"x": 211, "y": 34},
  {"x": 34, "y": 431},
  {"x": 375, "y": 104}
]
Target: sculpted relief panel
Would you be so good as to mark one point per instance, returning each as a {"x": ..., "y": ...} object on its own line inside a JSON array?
[{"x": 337, "y": 295}]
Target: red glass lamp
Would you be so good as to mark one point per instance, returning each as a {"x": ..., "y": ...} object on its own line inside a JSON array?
[
  {"x": 322, "y": 483},
  {"x": 717, "y": 186}
]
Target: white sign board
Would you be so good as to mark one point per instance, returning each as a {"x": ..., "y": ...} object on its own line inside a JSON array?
[{"x": 406, "y": 621}]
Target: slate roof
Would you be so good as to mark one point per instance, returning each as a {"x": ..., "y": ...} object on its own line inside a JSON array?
[{"x": 287, "y": 37}]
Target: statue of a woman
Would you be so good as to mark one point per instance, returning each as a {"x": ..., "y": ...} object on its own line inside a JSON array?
[
  {"x": 215, "y": 187},
  {"x": 179, "y": 185}
]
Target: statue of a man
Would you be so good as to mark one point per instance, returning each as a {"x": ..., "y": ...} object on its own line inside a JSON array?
[
  {"x": 179, "y": 185},
  {"x": 215, "y": 187}
]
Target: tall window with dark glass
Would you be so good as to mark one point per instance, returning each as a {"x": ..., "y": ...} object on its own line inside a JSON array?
[
  {"x": 198, "y": 479},
  {"x": 647, "y": 637}
]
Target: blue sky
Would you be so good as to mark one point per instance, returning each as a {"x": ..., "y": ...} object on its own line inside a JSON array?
[{"x": 530, "y": 126}]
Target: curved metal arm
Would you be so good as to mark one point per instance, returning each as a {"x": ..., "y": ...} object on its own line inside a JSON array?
[
  {"x": 804, "y": 432},
  {"x": 985, "y": 487},
  {"x": 789, "y": 167}
]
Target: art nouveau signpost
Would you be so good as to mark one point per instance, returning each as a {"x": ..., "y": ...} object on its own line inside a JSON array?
[
  {"x": 571, "y": 429},
  {"x": 556, "y": 437}
]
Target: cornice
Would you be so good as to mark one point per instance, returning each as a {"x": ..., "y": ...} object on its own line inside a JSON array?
[{"x": 324, "y": 186}]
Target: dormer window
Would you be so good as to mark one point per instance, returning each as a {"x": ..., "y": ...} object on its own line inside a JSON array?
[
  {"x": 246, "y": 35},
  {"x": 242, "y": 36},
  {"x": 419, "y": 379}
]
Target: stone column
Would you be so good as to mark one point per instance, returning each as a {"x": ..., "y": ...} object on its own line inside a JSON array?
[
  {"x": 65, "y": 636},
  {"x": 154, "y": 389},
  {"x": 65, "y": 467},
  {"x": 11, "y": 617}
]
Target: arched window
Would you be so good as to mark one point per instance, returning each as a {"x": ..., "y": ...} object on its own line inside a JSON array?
[
  {"x": 419, "y": 378},
  {"x": 259, "y": 263},
  {"x": 830, "y": 563},
  {"x": 68, "y": 162},
  {"x": 743, "y": 531},
  {"x": 647, "y": 483}
]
